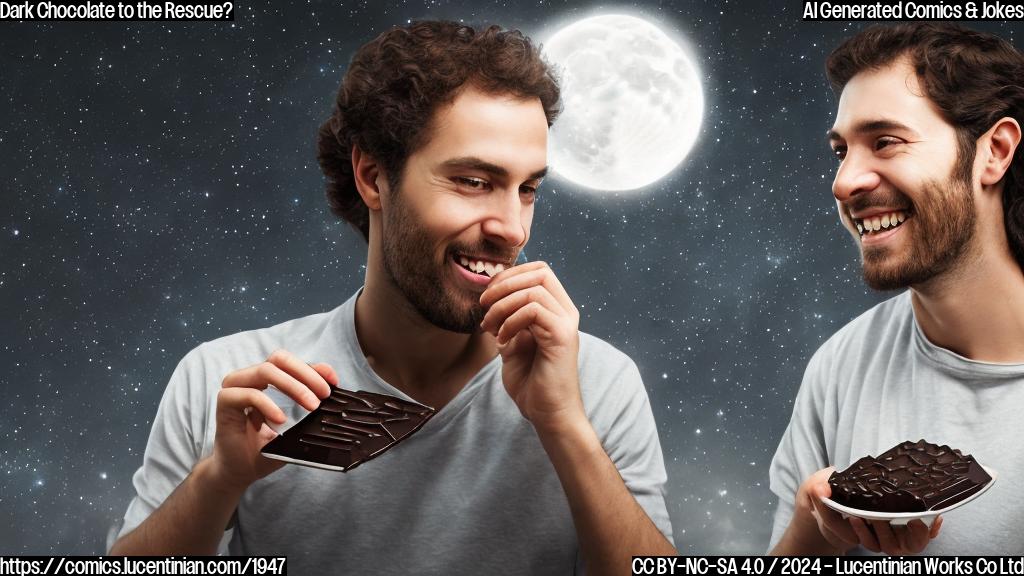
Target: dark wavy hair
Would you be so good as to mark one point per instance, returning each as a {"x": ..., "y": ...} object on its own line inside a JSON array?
[
  {"x": 396, "y": 82},
  {"x": 974, "y": 79}
]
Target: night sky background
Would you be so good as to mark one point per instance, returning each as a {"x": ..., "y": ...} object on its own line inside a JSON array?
[{"x": 160, "y": 189}]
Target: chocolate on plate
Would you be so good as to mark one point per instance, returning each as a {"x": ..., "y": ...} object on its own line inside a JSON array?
[
  {"x": 909, "y": 477},
  {"x": 347, "y": 429}
]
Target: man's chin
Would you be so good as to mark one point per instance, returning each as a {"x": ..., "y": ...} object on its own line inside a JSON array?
[
  {"x": 888, "y": 275},
  {"x": 473, "y": 317},
  {"x": 466, "y": 323},
  {"x": 883, "y": 282},
  {"x": 462, "y": 314},
  {"x": 886, "y": 269}
]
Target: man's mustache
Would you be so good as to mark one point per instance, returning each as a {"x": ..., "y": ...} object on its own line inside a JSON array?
[{"x": 893, "y": 199}]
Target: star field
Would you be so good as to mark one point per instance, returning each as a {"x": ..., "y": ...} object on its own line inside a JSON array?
[{"x": 161, "y": 189}]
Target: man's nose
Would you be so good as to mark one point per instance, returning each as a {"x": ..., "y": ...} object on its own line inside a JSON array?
[
  {"x": 504, "y": 222},
  {"x": 856, "y": 175}
]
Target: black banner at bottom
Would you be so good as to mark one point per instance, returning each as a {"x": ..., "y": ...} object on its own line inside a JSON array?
[
  {"x": 130, "y": 565},
  {"x": 814, "y": 565}
]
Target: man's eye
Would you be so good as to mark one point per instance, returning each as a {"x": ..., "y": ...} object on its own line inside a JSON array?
[
  {"x": 472, "y": 183},
  {"x": 840, "y": 152},
  {"x": 531, "y": 190},
  {"x": 885, "y": 141}
]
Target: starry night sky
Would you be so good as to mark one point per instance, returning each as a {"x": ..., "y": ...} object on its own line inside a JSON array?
[{"x": 161, "y": 189}]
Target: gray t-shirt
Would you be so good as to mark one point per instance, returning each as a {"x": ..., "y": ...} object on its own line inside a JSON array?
[
  {"x": 879, "y": 381},
  {"x": 471, "y": 492}
]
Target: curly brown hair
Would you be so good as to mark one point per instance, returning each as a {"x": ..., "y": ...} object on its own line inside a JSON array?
[
  {"x": 974, "y": 78},
  {"x": 397, "y": 81}
]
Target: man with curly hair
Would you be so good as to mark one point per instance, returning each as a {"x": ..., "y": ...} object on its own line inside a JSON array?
[
  {"x": 929, "y": 184},
  {"x": 543, "y": 457}
]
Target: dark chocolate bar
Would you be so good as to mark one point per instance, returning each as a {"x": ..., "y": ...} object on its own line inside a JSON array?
[
  {"x": 347, "y": 429},
  {"x": 909, "y": 477}
]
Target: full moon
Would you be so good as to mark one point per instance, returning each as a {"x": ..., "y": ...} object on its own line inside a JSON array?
[{"x": 631, "y": 103}]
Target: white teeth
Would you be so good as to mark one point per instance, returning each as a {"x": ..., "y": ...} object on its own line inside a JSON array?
[
  {"x": 890, "y": 220},
  {"x": 480, "y": 266}
]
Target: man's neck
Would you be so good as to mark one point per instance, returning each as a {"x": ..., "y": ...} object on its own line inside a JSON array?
[
  {"x": 976, "y": 311},
  {"x": 429, "y": 364}
]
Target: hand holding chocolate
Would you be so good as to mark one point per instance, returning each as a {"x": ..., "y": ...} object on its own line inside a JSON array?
[{"x": 909, "y": 477}]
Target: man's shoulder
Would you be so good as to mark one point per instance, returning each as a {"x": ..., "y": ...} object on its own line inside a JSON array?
[
  {"x": 874, "y": 331},
  {"x": 606, "y": 372},
  {"x": 595, "y": 352},
  {"x": 248, "y": 347},
  {"x": 877, "y": 317}
]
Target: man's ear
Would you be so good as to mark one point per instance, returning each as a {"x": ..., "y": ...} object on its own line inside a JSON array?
[
  {"x": 998, "y": 146},
  {"x": 369, "y": 177}
]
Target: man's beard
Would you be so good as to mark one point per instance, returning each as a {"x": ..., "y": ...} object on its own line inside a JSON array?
[
  {"x": 426, "y": 283},
  {"x": 941, "y": 231}
]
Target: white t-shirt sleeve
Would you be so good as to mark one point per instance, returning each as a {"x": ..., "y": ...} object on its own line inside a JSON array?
[
  {"x": 620, "y": 412},
  {"x": 175, "y": 441},
  {"x": 803, "y": 449}
]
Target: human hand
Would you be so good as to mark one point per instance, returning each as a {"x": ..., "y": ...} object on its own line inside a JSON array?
[
  {"x": 243, "y": 410},
  {"x": 843, "y": 534},
  {"x": 537, "y": 330}
]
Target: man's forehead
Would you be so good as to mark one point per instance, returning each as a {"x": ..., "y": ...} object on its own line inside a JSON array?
[
  {"x": 884, "y": 98},
  {"x": 495, "y": 133}
]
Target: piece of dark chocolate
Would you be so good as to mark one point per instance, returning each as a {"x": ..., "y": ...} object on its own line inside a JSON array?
[
  {"x": 347, "y": 429},
  {"x": 909, "y": 477}
]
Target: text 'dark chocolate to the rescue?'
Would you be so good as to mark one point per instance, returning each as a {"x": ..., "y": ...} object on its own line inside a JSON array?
[
  {"x": 909, "y": 477},
  {"x": 347, "y": 429}
]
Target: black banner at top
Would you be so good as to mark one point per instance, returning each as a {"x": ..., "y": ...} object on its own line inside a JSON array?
[{"x": 141, "y": 10}]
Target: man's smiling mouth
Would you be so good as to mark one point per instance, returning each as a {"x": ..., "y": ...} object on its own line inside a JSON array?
[
  {"x": 479, "y": 266},
  {"x": 877, "y": 223}
]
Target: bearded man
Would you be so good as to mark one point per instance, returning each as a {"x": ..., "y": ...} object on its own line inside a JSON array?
[
  {"x": 930, "y": 186},
  {"x": 543, "y": 456}
]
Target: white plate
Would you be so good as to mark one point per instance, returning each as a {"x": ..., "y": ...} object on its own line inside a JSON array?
[{"x": 901, "y": 518}]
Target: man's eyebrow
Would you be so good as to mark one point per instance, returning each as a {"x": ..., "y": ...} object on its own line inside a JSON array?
[
  {"x": 869, "y": 126},
  {"x": 484, "y": 166}
]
